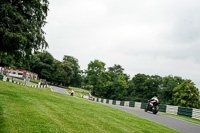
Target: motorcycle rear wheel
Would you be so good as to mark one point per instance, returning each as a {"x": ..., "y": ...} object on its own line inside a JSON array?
[{"x": 146, "y": 109}]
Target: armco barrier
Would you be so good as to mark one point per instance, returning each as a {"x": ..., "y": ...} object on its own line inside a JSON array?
[
  {"x": 110, "y": 101},
  {"x": 117, "y": 102},
  {"x": 114, "y": 102},
  {"x": 95, "y": 99},
  {"x": 126, "y": 103},
  {"x": 185, "y": 111},
  {"x": 131, "y": 104},
  {"x": 172, "y": 109},
  {"x": 121, "y": 103},
  {"x": 107, "y": 101},
  {"x": 196, "y": 113},
  {"x": 189, "y": 112},
  {"x": 5, "y": 79},
  {"x": 102, "y": 100},
  {"x": 162, "y": 108},
  {"x": 143, "y": 105},
  {"x": 138, "y": 104},
  {"x": 1, "y": 77}
]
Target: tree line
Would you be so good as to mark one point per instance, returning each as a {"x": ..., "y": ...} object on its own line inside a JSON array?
[
  {"x": 111, "y": 82},
  {"x": 21, "y": 36},
  {"x": 117, "y": 85}
]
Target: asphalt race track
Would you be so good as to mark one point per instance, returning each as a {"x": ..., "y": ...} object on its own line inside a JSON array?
[{"x": 174, "y": 123}]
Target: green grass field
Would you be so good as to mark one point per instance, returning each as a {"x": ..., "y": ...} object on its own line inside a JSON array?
[
  {"x": 79, "y": 89},
  {"x": 26, "y": 110},
  {"x": 78, "y": 92}
]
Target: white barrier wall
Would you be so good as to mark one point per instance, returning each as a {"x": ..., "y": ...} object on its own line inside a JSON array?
[
  {"x": 101, "y": 100},
  {"x": 169, "y": 108},
  {"x": 95, "y": 99},
  {"x": 138, "y": 104},
  {"x": 126, "y": 103},
  {"x": 104, "y": 101},
  {"x": 196, "y": 113},
  {"x": 172, "y": 109},
  {"x": 86, "y": 97},
  {"x": 117, "y": 102}
]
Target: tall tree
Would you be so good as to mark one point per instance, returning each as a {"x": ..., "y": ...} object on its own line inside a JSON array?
[
  {"x": 167, "y": 87},
  {"x": 76, "y": 78},
  {"x": 59, "y": 74},
  {"x": 116, "y": 70},
  {"x": 68, "y": 72},
  {"x": 118, "y": 88},
  {"x": 143, "y": 87},
  {"x": 186, "y": 95},
  {"x": 97, "y": 77},
  {"x": 42, "y": 63},
  {"x": 138, "y": 87},
  {"x": 119, "y": 83},
  {"x": 21, "y": 26}
]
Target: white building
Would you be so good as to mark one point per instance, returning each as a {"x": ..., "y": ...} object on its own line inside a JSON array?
[{"x": 18, "y": 73}]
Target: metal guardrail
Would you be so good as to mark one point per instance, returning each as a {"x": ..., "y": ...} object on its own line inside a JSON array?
[
  {"x": 183, "y": 111},
  {"x": 16, "y": 82}
]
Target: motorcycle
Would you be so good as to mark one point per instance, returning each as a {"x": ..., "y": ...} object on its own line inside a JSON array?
[{"x": 152, "y": 106}]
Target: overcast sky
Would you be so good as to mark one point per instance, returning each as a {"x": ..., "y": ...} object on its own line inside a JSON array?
[{"x": 153, "y": 37}]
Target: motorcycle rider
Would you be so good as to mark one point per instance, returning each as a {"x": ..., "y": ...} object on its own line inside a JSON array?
[
  {"x": 153, "y": 99},
  {"x": 72, "y": 92}
]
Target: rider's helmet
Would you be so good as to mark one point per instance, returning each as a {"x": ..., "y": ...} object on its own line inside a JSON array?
[{"x": 155, "y": 96}]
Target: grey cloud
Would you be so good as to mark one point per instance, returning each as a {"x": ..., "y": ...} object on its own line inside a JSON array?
[{"x": 152, "y": 37}]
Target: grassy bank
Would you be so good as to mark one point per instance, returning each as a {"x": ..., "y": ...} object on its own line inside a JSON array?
[
  {"x": 78, "y": 91},
  {"x": 25, "y": 109}
]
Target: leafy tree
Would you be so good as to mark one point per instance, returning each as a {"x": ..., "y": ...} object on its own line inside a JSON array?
[
  {"x": 186, "y": 95},
  {"x": 76, "y": 78},
  {"x": 13, "y": 61},
  {"x": 97, "y": 77},
  {"x": 138, "y": 87},
  {"x": 42, "y": 63},
  {"x": 115, "y": 70},
  {"x": 167, "y": 87},
  {"x": 21, "y": 26},
  {"x": 119, "y": 83},
  {"x": 68, "y": 72},
  {"x": 143, "y": 87},
  {"x": 59, "y": 73},
  {"x": 152, "y": 86},
  {"x": 118, "y": 88}
]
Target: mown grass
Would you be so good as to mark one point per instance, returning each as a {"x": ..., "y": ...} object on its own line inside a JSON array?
[
  {"x": 78, "y": 92},
  {"x": 24, "y": 109},
  {"x": 79, "y": 89},
  {"x": 196, "y": 121}
]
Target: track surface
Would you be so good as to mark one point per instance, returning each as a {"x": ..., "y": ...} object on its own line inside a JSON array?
[
  {"x": 59, "y": 90},
  {"x": 175, "y": 123}
]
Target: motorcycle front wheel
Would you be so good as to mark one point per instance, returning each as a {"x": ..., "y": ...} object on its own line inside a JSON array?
[{"x": 155, "y": 111}]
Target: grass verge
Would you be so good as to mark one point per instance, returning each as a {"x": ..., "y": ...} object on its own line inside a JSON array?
[
  {"x": 25, "y": 109},
  {"x": 79, "y": 89}
]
